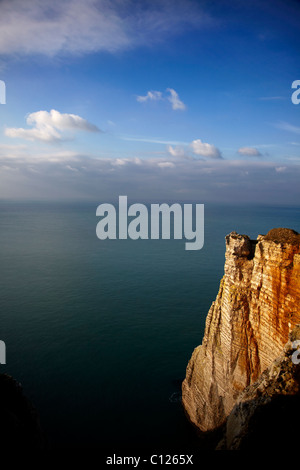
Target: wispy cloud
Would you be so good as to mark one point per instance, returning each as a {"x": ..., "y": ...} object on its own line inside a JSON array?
[
  {"x": 272, "y": 98},
  {"x": 151, "y": 95},
  {"x": 288, "y": 127},
  {"x": 280, "y": 169},
  {"x": 50, "y": 126},
  {"x": 83, "y": 26},
  {"x": 181, "y": 149},
  {"x": 249, "y": 152},
  {"x": 151, "y": 140},
  {"x": 175, "y": 101},
  {"x": 177, "y": 151},
  {"x": 172, "y": 96}
]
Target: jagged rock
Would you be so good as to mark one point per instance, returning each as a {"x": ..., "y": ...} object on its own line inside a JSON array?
[{"x": 247, "y": 325}]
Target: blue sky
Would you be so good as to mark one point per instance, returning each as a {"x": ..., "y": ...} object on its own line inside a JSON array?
[{"x": 157, "y": 100}]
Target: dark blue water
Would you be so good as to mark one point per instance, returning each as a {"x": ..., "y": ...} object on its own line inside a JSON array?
[{"x": 99, "y": 333}]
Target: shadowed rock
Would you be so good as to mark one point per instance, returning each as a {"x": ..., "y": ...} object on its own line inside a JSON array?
[{"x": 19, "y": 422}]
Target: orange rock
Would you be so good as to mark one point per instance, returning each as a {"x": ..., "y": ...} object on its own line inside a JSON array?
[{"x": 247, "y": 325}]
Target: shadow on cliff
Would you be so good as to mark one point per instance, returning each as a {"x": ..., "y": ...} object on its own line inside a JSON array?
[
  {"x": 273, "y": 425},
  {"x": 206, "y": 440}
]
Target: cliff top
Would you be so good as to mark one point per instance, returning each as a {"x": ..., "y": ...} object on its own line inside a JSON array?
[
  {"x": 277, "y": 235},
  {"x": 283, "y": 235}
]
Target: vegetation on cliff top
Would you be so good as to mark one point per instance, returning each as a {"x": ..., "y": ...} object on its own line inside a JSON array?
[{"x": 283, "y": 235}]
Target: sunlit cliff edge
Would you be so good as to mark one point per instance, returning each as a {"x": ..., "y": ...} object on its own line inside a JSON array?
[{"x": 244, "y": 364}]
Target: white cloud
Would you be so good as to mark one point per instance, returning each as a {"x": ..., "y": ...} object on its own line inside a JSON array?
[
  {"x": 280, "y": 169},
  {"x": 83, "y": 26},
  {"x": 249, "y": 152},
  {"x": 151, "y": 95},
  {"x": 172, "y": 97},
  {"x": 45, "y": 134},
  {"x": 205, "y": 149},
  {"x": 60, "y": 121},
  {"x": 175, "y": 101},
  {"x": 177, "y": 151},
  {"x": 48, "y": 126},
  {"x": 119, "y": 162},
  {"x": 166, "y": 164}
]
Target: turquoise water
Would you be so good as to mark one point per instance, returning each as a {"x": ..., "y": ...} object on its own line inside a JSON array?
[{"x": 99, "y": 333}]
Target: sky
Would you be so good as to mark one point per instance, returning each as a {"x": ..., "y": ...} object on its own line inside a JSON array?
[{"x": 161, "y": 100}]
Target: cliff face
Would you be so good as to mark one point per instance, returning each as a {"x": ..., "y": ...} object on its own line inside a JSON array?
[
  {"x": 247, "y": 325},
  {"x": 267, "y": 412}
]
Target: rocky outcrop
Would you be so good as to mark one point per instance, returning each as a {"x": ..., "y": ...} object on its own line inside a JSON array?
[
  {"x": 247, "y": 326},
  {"x": 19, "y": 422}
]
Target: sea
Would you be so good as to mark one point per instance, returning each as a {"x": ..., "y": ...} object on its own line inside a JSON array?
[{"x": 99, "y": 332}]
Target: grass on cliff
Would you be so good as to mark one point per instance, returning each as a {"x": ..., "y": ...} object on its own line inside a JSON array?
[{"x": 283, "y": 235}]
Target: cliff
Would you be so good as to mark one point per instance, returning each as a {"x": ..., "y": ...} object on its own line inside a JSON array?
[
  {"x": 247, "y": 326},
  {"x": 20, "y": 427},
  {"x": 266, "y": 414}
]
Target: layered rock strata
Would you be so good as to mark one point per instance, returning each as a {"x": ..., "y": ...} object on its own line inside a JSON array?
[
  {"x": 267, "y": 412},
  {"x": 247, "y": 326}
]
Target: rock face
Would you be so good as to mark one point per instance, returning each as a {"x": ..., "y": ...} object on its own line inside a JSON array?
[
  {"x": 267, "y": 412},
  {"x": 247, "y": 326}
]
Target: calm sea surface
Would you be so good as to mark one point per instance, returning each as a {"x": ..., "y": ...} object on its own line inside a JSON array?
[{"x": 99, "y": 333}]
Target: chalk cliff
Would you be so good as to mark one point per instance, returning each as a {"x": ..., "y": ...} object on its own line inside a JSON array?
[{"x": 247, "y": 326}]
